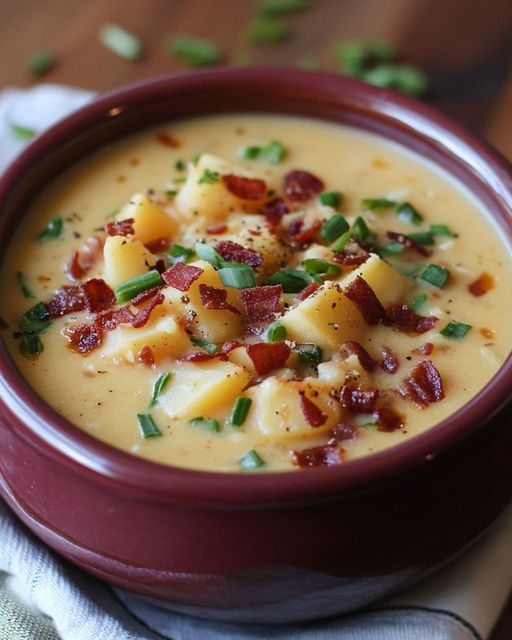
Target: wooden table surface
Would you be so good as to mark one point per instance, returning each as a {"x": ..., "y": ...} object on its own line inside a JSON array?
[{"x": 465, "y": 46}]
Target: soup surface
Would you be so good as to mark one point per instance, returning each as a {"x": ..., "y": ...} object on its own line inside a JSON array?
[{"x": 256, "y": 292}]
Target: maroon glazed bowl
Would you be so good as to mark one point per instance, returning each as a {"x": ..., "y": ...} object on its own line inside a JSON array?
[{"x": 266, "y": 547}]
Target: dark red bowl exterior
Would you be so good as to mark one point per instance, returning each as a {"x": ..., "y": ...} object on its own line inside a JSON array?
[{"x": 257, "y": 547}]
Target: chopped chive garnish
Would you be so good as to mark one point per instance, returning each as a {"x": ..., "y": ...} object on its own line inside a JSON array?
[
  {"x": 52, "y": 230},
  {"x": 121, "y": 41},
  {"x": 195, "y": 52},
  {"x": 422, "y": 237},
  {"x": 391, "y": 249},
  {"x": 160, "y": 383},
  {"x": 179, "y": 165},
  {"x": 210, "y": 424},
  {"x": 179, "y": 180},
  {"x": 238, "y": 276},
  {"x": 170, "y": 192},
  {"x": 412, "y": 272},
  {"x": 418, "y": 301},
  {"x": 282, "y": 7},
  {"x": 456, "y": 330},
  {"x": 404, "y": 78},
  {"x": 407, "y": 213},
  {"x": 240, "y": 411},
  {"x": 205, "y": 252},
  {"x": 370, "y": 204},
  {"x": 40, "y": 62},
  {"x": 23, "y": 132},
  {"x": 276, "y": 332},
  {"x": 250, "y": 152},
  {"x": 317, "y": 266},
  {"x": 251, "y": 460},
  {"x": 177, "y": 253},
  {"x": 331, "y": 198},
  {"x": 273, "y": 152},
  {"x": 440, "y": 230},
  {"x": 435, "y": 275},
  {"x": 21, "y": 279},
  {"x": 360, "y": 229},
  {"x": 147, "y": 426},
  {"x": 309, "y": 354},
  {"x": 292, "y": 280},
  {"x": 267, "y": 31},
  {"x": 334, "y": 227},
  {"x": 130, "y": 288},
  {"x": 210, "y": 347},
  {"x": 341, "y": 241},
  {"x": 36, "y": 319},
  {"x": 354, "y": 55},
  {"x": 30, "y": 345},
  {"x": 209, "y": 177}
]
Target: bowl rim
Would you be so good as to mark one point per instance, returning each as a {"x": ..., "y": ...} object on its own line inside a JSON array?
[{"x": 58, "y": 438}]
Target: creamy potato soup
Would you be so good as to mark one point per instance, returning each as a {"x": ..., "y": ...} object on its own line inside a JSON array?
[{"x": 248, "y": 292}]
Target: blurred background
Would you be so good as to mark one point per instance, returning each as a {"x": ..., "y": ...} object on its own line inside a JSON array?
[{"x": 454, "y": 54}]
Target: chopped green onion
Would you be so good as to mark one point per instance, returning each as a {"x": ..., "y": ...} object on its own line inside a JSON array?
[
  {"x": 273, "y": 152},
  {"x": 354, "y": 55},
  {"x": 179, "y": 165},
  {"x": 435, "y": 275},
  {"x": 205, "y": 252},
  {"x": 421, "y": 237},
  {"x": 391, "y": 249},
  {"x": 238, "y": 276},
  {"x": 23, "y": 132},
  {"x": 418, "y": 301},
  {"x": 251, "y": 460},
  {"x": 177, "y": 253},
  {"x": 267, "y": 31},
  {"x": 404, "y": 78},
  {"x": 360, "y": 229},
  {"x": 147, "y": 426},
  {"x": 130, "y": 288},
  {"x": 440, "y": 230},
  {"x": 282, "y": 7},
  {"x": 160, "y": 383},
  {"x": 196, "y": 52},
  {"x": 292, "y": 280},
  {"x": 456, "y": 330},
  {"x": 210, "y": 424},
  {"x": 170, "y": 192},
  {"x": 52, "y": 230},
  {"x": 309, "y": 354},
  {"x": 341, "y": 241},
  {"x": 209, "y": 177},
  {"x": 21, "y": 279},
  {"x": 179, "y": 180},
  {"x": 30, "y": 345},
  {"x": 39, "y": 63},
  {"x": 276, "y": 332},
  {"x": 370, "y": 204},
  {"x": 331, "y": 198},
  {"x": 210, "y": 347},
  {"x": 250, "y": 152},
  {"x": 36, "y": 319},
  {"x": 407, "y": 213},
  {"x": 317, "y": 266},
  {"x": 121, "y": 41},
  {"x": 411, "y": 273},
  {"x": 240, "y": 411},
  {"x": 334, "y": 227}
]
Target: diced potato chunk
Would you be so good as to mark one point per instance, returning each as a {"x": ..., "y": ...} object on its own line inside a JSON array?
[
  {"x": 150, "y": 222},
  {"x": 240, "y": 357},
  {"x": 125, "y": 258},
  {"x": 277, "y": 412},
  {"x": 200, "y": 389},
  {"x": 211, "y": 200}
]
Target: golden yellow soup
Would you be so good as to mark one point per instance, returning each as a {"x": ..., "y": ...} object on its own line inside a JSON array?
[{"x": 247, "y": 292}]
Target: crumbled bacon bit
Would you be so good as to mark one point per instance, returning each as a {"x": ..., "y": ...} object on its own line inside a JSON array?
[
  {"x": 98, "y": 296},
  {"x": 387, "y": 419},
  {"x": 181, "y": 276},
  {"x": 146, "y": 356},
  {"x": 73, "y": 267},
  {"x": 323, "y": 456},
  {"x": 160, "y": 245},
  {"x": 304, "y": 235},
  {"x": 267, "y": 357},
  {"x": 274, "y": 210},
  {"x": 365, "y": 359},
  {"x": 425, "y": 349},
  {"x": 213, "y": 298},
  {"x": 201, "y": 356},
  {"x": 344, "y": 431},
  {"x": 407, "y": 242},
  {"x": 423, "y": 385},
  {"x": 245, "y": 188},
  {"x": 232, "y": 251},
  {"x": 90, "y": 252},
  {"x": 85, "y": 338},
  {"x": 362, "y": 295},
  {"x": 300, "y": 186},
  {"x": 312, "y": 412},
  {"x": 358, "y": 400},
  {"x": 217, "y": 229},
  {"x": 350, "y": 259},
  {"x": 168, "y": 140},
  {"x": 122, "y": 228},
  {"x": 482, "y": 285},
  {"x": 142, "y": 316},
  {"x": 144, "y": 295},
  {"x": 311, "y": 288},
  {"x": 389, "y": 360},
  {"x": 295, "y": 226},
  {"x": 66, "y": 300},
  {"x": 403, "y": 318},
  {"x": 262, "y": 303},
  {"x": 109, "y": 320},
  {"x": 230, "y": 345}
]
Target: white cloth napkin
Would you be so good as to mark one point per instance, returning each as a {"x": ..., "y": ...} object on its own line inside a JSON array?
[{"x": 461, "y": 602}]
